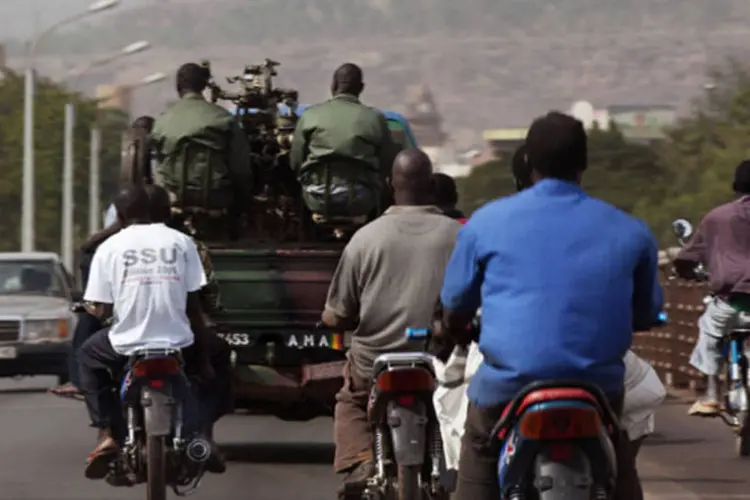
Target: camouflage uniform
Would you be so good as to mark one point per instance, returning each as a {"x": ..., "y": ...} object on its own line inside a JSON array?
[
  {"x": 202, "y": 155},
  {"x": 209, "y": 294},
  {"x": 347, "y": 145}
]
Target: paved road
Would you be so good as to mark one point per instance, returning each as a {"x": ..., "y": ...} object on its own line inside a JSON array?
[
  {"x": 45, "y": 441},
  {"x": 692, "y": 459}
]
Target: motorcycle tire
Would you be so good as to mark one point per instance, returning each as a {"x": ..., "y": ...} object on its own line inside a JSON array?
[
  {"x": 407, "y": 482},
  {"x": 156, "y": 473},
  {"x": 742, "y": 441}
]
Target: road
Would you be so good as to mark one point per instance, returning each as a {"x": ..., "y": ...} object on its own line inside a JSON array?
[{"x": 46, "y": 439}]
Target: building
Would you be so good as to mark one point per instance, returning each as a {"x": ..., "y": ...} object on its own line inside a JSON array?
[
  {"x": 425, "y": 122},
  {"x": 114, "y": 97}
]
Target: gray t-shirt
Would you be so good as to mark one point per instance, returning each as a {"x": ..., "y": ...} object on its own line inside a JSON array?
[{"x": 389, "y": 276}]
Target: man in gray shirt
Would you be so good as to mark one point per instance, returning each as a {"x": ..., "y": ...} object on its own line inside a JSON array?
[{"x": 387, "y": 280}]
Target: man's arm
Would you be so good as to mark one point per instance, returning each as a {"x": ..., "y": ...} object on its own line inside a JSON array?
[
  {"x": 300, "y": 148},
  {"x": 461, "y": 293},
  {"x": 195, "y": 279},
  {"x": 98, "y": 298},
  {"x": 342, "y": 305},
  {"x": 648, "y": 299},
  {"x": 694, "y": 253},
  {"x": 388, "y": 148}
]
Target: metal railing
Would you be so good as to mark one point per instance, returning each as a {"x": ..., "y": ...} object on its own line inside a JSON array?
[{"x": 668, "y": 348}]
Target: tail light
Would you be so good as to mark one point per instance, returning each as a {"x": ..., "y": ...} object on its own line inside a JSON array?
[
  {"x": 406, "y": 380},
  {"x": 561, "y": 423},
  {"x": 156, "y": 367}
]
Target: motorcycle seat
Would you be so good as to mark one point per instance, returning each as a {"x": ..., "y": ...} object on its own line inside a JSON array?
[{"x": 403, "y": 359}]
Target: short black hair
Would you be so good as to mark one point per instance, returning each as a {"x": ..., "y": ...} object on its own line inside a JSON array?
[
  {"x": 348, "y": 79},
  {"x": 446, "y": 191},
  {"x": 741, "y": 184},
  {"x": 192, "y": 77},
  {"x": 160, "y": 206},
  {"x": 556, "y": 146},
  {"x": 133, "y": 204},
  {"x": 144, "y": 122}
]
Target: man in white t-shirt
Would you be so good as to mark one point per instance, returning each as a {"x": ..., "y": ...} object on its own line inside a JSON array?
[{"x": 148, "y": 277}]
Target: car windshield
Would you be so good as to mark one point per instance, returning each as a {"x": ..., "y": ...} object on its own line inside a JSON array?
[{"x": 30, "y": 277}]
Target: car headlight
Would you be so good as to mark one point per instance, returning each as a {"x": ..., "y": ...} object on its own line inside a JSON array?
[{"x": 46, "y": 329}]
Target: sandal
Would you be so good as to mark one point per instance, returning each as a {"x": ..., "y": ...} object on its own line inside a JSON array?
[
  {"x": 67, "y": 391},
  {"x": 99, "y": 460}
]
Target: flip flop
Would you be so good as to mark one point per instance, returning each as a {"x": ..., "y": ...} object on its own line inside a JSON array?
[
  {"x": 66, "y": 391},
  {"x": 97, "y": 465}
]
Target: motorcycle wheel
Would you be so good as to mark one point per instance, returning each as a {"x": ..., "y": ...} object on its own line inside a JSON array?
[
  {"x": 407, "y": 482},
  {"x": 742, "y": 441},
  {"x": 156, "y": 468}
]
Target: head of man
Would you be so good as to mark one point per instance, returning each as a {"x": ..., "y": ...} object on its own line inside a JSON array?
[
  {"x": 741, "y": 184},
  {"x": 446, "y": 191},
  {"x": 348, "y": 79},
  {"x": 160, "y": 207},
  {"x": 133, "y": 205},
  {"x": 556, "y": 148},
  {"x": 143, "y": 124},
  {"x": 191, "y": 79},
  {"x": 411, "y": 178}
]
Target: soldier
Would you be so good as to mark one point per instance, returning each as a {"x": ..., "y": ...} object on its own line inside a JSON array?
[
  {"x": 348, "y": 141},
  {"x": 197, "y": 143}
]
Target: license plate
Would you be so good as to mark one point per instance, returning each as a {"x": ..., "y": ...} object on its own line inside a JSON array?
[
  {"x": 236, "y": 339},
  {"x": 8, "y": 353}
]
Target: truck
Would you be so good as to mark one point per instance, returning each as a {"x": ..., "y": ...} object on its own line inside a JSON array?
[{"x": 273, "y": 296}]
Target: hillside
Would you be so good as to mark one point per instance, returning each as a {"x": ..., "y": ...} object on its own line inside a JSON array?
[{"x": 489, "y": 62}]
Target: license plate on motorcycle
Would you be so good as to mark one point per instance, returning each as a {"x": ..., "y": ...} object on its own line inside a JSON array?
[{"x": 8, "y": 353}]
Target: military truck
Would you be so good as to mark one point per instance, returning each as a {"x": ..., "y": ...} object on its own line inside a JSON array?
[{"x": 273, "y": 290}]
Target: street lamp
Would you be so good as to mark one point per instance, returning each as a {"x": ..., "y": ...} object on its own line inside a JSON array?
[
  {"x": 27, "y": 218},
  {"x": 94, "y": 168},
  {"x": 68, "y": 202}
]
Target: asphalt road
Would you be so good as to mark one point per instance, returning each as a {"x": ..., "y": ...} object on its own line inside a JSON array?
[{"x": 45, "y": 441}]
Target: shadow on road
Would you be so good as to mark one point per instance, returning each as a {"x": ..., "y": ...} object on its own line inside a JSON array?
[
  {"x": 280, "y": 453},
  {"x": 658, "y": 440},
  {"x": 24, "y": 390}
]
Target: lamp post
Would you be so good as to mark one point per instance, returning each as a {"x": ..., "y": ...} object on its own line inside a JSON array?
[
  {"x": 27, "y": 217},
  {"x": 95, "y": 212},
  {"x": 68, "y": 203}
]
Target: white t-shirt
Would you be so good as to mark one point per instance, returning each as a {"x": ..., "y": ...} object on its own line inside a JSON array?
[{"x": 146, "y": 272}]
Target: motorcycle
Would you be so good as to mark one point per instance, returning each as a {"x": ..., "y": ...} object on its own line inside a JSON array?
[
  {"x": 156, "y": 450},
  {"x": 736, "y": 352},
  {"x": 407, "y": 446}
]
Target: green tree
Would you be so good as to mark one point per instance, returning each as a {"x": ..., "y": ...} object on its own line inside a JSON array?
[
  {"x": 49, "y": 123},
  {"x": 702, "y": 150},
  {"x": 620, "y": 172}
]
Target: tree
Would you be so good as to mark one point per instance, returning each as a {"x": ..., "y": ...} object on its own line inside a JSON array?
[
  {"x": 49, "y": 123},
  {"x": 702, "y": 151},
  {"x": 619, "y": 172}
]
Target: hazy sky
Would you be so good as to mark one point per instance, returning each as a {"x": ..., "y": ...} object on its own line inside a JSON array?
[{"x": 21, "y": 18}]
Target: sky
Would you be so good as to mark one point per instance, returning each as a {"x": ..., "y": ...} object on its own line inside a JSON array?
[{"x": 21, "y": 18}]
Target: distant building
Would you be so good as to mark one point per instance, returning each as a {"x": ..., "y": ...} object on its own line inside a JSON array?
[
  {"x": 114, "y": 97},
  {"x": 425, "y": 121}
]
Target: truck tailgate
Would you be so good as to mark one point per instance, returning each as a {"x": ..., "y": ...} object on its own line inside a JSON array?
[{"x": 273, "y": 289}]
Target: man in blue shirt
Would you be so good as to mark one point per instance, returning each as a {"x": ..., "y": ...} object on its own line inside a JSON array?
[{"x": 563, "y": 280}]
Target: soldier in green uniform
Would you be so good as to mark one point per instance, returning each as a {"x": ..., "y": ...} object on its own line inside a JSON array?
[
  {"x": 342, "y": 150},
  {"x": 203, "y": 157}
]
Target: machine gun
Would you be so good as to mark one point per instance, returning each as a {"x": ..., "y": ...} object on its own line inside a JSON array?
[{"x": 269, "y": 130}]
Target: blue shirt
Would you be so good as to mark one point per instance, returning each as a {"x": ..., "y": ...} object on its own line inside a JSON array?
[{"x": 563, "y": 279}]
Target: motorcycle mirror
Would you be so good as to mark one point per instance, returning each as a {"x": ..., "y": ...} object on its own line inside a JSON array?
[{"x": 682, "y": 228}]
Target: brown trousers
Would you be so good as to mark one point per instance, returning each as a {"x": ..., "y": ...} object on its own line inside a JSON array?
[
  {"x": 351, "y": 430},
  {"x": 477, "y": 469}
]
